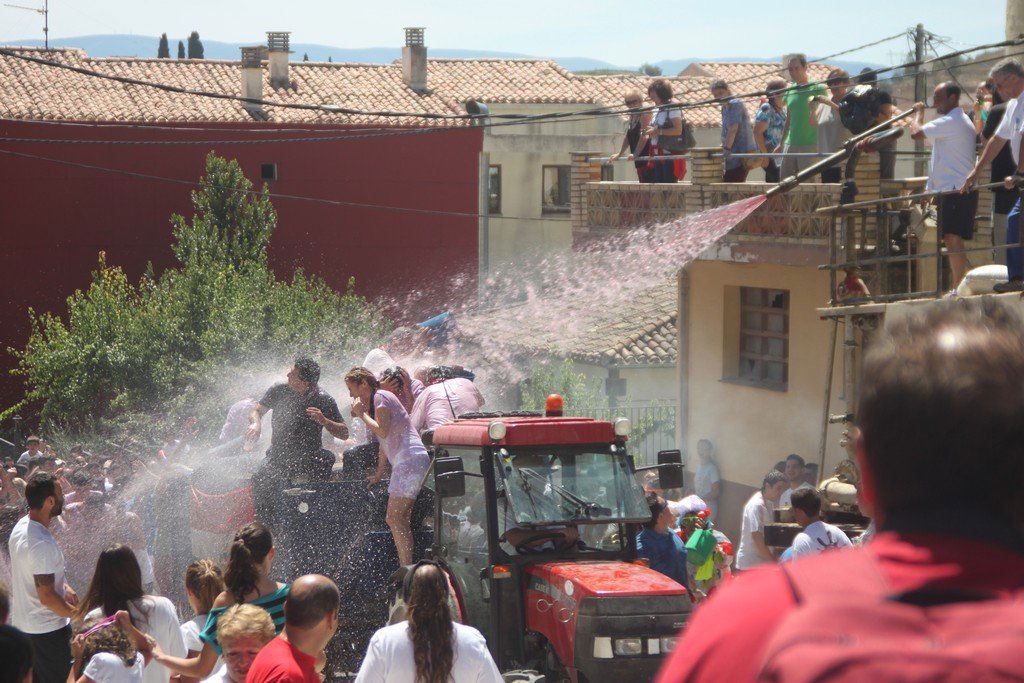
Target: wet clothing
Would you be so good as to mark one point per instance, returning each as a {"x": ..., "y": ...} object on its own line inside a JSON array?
[
  {"x": 296, "y": 438},
  {"x": 273, "y": 604},
  {"x": 390, "y": 657},
  {"x": 442, "y": 402},
  {"x": 403, "y": 447},
  {"x": 665, "y": 553}
]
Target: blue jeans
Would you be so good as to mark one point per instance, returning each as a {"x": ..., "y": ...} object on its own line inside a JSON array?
[{"x": 1014, "y": 256}]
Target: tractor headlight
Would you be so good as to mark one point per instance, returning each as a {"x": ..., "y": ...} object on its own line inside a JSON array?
[
  {"x": 622, "y": 426},
  {"x": 626, "y": 647},
  {"x": 497, "y": 430},
  {"x": 668, "y": 643},
  {"x": 603, "y": 647}
]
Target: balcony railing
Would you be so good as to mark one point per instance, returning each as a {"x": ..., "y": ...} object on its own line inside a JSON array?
[{"x": 790, "y": 217}]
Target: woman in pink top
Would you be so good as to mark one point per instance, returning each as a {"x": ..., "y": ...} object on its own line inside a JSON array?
[{"x": 400, "y": 445}]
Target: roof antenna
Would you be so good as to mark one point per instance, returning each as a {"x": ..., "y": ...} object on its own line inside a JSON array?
[{"x": 45, "y": 11}]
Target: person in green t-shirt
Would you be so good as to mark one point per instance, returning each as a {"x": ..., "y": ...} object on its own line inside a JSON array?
[{"x": 799, "y": 135}]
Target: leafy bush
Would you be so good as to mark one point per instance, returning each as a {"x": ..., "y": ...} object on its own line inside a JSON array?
[{"x": 132, "y": 359}]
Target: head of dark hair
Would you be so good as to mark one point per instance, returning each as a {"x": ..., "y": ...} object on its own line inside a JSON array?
[
  {"x": 796, "y": 56},
  {"x": 360, "y": 375},
  {"x": 941, "y": 409},
  {"x": 837, "y": 76},
  {"x": 308, "y": 369},
  {"x": 430, "y": 624},
  {"x": 77, "y": 448},
  {"x": 309, "y": 602},
  {"x": 111, "y": 639},
  {"x": 440, "y": 373},
  {"x": 774, "y": 87},
  {"x": 248, "y": 550},
  {"x": 662, "y": 88},
  {"x": 771, "y": 479},
  {"x": 867, "y": 75},
  {"x": 797, "y": 458},
  {"x": 656, "y": 504},
  {"x": 79, "y": 478},
  {"x": 15, "y": 653},
  {"x": 116, "y": 581},
  {"x": 807, "y": 500},
  {"x": 38, "y": 488},
  {"x": 33, "y": 439},
  {"x": 719, "y": 84}
]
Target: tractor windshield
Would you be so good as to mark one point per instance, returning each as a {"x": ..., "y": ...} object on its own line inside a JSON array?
[{"x": 570, "y": 485}]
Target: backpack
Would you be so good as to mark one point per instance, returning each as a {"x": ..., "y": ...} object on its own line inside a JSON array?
[
  {"x": 859, "y": 108},
  {"x": 849, "y": 626}
]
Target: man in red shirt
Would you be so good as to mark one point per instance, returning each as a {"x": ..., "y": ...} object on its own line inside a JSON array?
[
  {"x": 941, "y": 454},
  {"x": 310, "y": 619}
]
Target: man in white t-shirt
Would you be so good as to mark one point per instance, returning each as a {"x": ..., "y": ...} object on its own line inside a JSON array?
[
  {"x": 1008, "y": 77},
  {"x": 795, "y": 474},
  {"x": 756, "y": 513},
  {"x": 953, "y": 153},
  {"x": 41, "y": 602},
  {"x": 817, "y": 535}
]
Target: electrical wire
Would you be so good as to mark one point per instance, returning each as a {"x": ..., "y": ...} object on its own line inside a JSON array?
[
  {"x": 513, "y": 119},
  {"x": 385, "y": 132}
]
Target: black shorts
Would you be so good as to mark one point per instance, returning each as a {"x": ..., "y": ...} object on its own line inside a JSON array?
[{"x": 956, "y": 214}]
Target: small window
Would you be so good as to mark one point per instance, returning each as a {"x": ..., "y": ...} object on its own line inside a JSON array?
[
  {"x": 494, "y": 190},
  {"x": 764, "y": 337},
  {"x": 556, "y": 189},
  {"x": 268, "y": 172}
]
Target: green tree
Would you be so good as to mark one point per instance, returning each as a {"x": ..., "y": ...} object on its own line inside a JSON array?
[
  {"x": 580, "y": 394},
  {"x": 650, "y": 69},
  {"x": 181, "y": 50},
  {"x": 195, "y": 46},
  {"x": 163, "y": 50},
  {"x": 133, "y": 359}
]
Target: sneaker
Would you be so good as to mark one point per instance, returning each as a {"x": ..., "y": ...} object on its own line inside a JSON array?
[{"x": 1015, "y": 285}]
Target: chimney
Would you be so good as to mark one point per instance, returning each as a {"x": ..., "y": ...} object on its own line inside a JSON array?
[
  {"x": 277, "y": 44},
  {"x": 414, "y": 60},
  {"x": 252, "y": 75}
]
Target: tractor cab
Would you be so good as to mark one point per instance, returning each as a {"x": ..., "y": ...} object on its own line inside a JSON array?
[{"x": 536, "y": 520}]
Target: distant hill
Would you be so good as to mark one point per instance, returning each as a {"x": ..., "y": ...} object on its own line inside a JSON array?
[{"x": 119, "y": 45}]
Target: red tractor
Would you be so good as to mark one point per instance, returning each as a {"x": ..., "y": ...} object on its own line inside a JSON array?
[{"x": 535, "y": 522}]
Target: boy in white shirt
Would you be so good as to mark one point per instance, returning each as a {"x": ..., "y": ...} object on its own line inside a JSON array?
[{"x": 817, "y": 535}]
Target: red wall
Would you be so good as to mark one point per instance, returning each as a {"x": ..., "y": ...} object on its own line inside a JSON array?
[{"x": 55, "y": 218}]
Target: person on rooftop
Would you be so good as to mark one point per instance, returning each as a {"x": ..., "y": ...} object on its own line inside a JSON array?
[
  {"x": 665, "y": 130},
  {"x": 799, "y": 136},
  {"x": 953, "y": 154},
  {"x": 737, "y": 136},
  {"x": 769, "y": 123},
  {"x": 825, "y": 117},
  {"x": 636, "y": 123}
]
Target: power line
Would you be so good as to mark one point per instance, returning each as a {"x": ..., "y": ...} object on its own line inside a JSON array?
[
  {"x": 385, "y": 132},
  {"x": 512, "y": 119}
]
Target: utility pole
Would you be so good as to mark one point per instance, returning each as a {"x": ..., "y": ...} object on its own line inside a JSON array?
[
  {"x": 920, "y": 94},
  {"x": 45, "y": 11}
]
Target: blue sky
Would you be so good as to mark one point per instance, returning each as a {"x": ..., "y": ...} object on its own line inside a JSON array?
[{"x": 619, "y": 31}]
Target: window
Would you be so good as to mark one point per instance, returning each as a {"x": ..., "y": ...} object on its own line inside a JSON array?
[
  {"x": 494, "y": 190},
  {"x": 556, "y": 189},
  {"x": 268, "y": 171},
  {"x": 764, "y": 337}
]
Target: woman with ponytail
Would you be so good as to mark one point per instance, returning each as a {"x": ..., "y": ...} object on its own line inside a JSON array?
[
  {"x": 429, "y": 647},
  {"x": 246, "y": 580},
  {"x": 400, "y": 447}
]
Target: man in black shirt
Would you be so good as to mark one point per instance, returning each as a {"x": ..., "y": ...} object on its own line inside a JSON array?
[
  {"x": 1002, "y": 166},
  {"x": 301, "y": 410}
]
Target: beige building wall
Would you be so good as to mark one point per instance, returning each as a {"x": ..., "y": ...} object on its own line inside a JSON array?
[{"x": 752, "y": 428}]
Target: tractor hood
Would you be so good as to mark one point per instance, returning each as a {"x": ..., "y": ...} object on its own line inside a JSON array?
[{"x": 578, "y": 580}]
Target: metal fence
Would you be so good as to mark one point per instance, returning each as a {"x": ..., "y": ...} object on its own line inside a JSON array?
[{"x": 653, "y": 428}]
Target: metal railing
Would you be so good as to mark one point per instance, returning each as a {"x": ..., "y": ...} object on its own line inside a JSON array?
[
  {"x": 892, "y": 246},
  {"x": 653, "y": 428}
]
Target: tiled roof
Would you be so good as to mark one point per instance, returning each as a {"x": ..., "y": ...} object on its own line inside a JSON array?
[
  {"x": 507, "y": 81},
  {"x": 638, "y": 331},
  {"x": 37, "y": 91}
]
